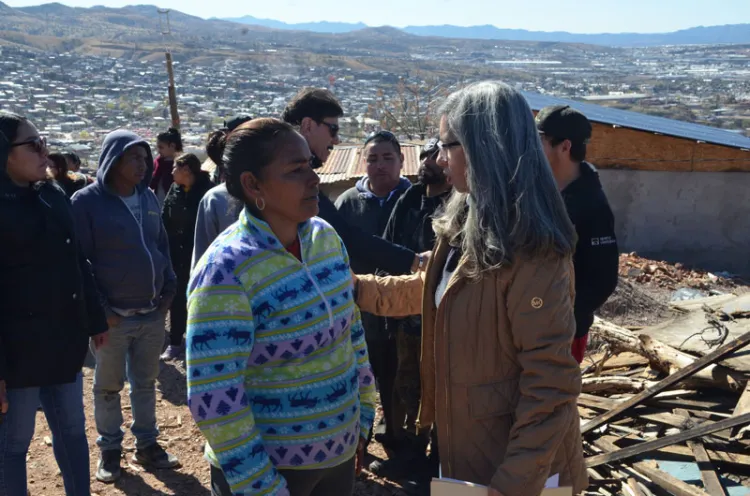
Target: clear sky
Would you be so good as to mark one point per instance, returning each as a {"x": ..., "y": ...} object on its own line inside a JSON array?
[{"x": 578, "y": 16}]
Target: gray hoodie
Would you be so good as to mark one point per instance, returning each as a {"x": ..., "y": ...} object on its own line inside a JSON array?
[{"x": 131, "y": 261}]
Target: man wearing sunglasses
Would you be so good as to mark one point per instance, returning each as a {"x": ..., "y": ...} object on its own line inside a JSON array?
[
  {"x": 565, "y": 133},
  {"x": 316, "y": 113}
]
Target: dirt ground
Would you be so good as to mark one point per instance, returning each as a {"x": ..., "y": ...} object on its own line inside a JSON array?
[{"x": 179, "y": 435}]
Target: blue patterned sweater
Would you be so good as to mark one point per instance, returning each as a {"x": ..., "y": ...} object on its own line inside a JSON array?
[{"x": 277, "y": 366}]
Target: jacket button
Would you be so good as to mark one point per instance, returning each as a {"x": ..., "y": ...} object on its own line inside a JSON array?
[{"x": 75, "y": 295}]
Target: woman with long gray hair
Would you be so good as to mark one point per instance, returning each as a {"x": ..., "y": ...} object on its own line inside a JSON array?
[{"x": 498, "y": 379}]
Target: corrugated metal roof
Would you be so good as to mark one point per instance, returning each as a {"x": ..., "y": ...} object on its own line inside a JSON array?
[
  {"x": 346, "y": 163},
  {"x": 642, "y": 122}
]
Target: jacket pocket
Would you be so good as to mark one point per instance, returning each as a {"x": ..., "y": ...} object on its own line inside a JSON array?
[{"x": 493, "y": 399}]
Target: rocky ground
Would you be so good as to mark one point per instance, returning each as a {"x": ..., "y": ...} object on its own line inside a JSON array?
[{"x": 641, "y": 299}]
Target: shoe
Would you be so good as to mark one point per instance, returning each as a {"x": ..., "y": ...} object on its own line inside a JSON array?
[
  {"x": 405, "y": 463},
  {"x": 171, "y": 353},
  {"x": 108, "y": 470},
  {"x": 154, "y": 456}
]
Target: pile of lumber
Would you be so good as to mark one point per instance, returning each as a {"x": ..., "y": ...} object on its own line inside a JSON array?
[
  {"x": 666, "y": 275},
  {"x": 645, "y": 402}
]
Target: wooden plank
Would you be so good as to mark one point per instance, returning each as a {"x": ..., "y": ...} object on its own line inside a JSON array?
[
  {"x": 682, "y": 437},
  {"x": 711, "y": 481},
  {"x": 634, "y": 488},
  {"x": 592, "y": 401},
  {"x": 671, "y": 380},
  {"x": 717, "y": 456},
  {"x": 668, "y": 482}
]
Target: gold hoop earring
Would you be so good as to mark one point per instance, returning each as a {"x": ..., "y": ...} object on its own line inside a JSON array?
[{"x": 260, "y": 204}]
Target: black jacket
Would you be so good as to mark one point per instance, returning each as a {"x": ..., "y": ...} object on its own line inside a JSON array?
[
  {"x": 49, "y": 304},
  {"x": 596, "y": 258},
  {"x": 410, "y": 225},
  {"x": 371, "y": 249},
  {"x": 179, "y": 214}
]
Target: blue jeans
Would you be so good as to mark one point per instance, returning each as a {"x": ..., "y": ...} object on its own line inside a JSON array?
[
  {"x": 133, "y": 350},
  {"x": 63, "y": 407}
]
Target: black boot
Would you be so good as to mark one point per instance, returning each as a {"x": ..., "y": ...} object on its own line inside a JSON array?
[{"x": 108, "y": 470}]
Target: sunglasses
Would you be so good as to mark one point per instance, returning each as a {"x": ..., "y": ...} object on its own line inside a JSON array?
[
  {"x": 332, "y": 128},
  {"x": 37, "y": 144}
]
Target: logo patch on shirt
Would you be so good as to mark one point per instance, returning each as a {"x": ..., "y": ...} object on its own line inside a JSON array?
[
  {"x": 537, "y": 302},
  {"x": 604, "y": 240}
]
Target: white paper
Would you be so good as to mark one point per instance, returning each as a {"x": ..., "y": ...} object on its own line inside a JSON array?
[{"x": 553, "y": 481}]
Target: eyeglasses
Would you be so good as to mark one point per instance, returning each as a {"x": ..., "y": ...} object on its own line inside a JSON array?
[
  {"x": 445, "y": 146},
  {"x": 332, "y": 128},
  {"x": 38, "y": 144}
]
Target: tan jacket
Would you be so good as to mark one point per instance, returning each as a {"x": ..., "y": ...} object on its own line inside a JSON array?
[{"x": 498, "y": 377}]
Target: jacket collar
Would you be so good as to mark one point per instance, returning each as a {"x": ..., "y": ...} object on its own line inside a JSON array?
[{"x": 264, "y": 238}]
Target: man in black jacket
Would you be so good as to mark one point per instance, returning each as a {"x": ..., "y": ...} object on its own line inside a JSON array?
[
  {"x": 369, "y": 205},
  {"x": 565, "y": 133},
  {"x": 316, "y": 113},
  {"x": 410, "y": 225}
]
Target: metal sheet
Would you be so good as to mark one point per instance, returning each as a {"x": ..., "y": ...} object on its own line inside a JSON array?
[{"x": 643, "y": 122}]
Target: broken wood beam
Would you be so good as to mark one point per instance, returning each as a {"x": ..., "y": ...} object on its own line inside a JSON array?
[
  {"x": 668, "y": 482},
  {"x": 687, "y": 435},
  {"x": 669, "y": 360},
  {"x": 666, "y": 358},
  {"x": 669, "y": 381},
  {"x": 711, "y": 480},
  {"x": 613, "y": 384}
]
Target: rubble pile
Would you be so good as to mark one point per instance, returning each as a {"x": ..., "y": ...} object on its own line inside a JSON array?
[
  {"x": 670, "y": 276},
  {"x": 657, "y": 419}
]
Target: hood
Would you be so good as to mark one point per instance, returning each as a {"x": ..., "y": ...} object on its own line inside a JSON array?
[
  {"x": 363, "y": 187},
  {"x": 115, "y": 144}
]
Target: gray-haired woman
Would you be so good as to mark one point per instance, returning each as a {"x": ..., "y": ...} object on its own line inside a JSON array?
[{"x": 498, "y": 378}]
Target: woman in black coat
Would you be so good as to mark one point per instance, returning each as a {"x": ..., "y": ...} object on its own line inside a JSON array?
[
  {"x": 179, "y": 214},
  {"x": 50, "y": 309}
]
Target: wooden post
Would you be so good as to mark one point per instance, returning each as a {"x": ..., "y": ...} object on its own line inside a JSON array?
[{"x": 172, "y": 94}]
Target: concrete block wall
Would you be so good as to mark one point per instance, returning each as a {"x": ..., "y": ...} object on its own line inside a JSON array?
[{"x": 700, "y": 218}]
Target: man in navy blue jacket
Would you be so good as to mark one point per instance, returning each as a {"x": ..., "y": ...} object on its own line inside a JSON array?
[{"x": 118, "y": 220}]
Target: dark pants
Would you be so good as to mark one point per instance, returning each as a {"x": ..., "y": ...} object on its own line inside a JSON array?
[
  {"x": 334, "y": 481},
  {"x": 384, "y": 361},
  {"x": 178, "y": 313},
  {"x": 63, "y": 407}
]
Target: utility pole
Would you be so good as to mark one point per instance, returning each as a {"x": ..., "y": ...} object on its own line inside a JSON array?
[{"x": 166, "y": 32}]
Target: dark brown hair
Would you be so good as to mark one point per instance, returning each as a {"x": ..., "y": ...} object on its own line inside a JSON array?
[
  {"x": 171, "y": 137},
  {"x": 217, "y": 140},
  {"x": 251, "y": 148},
  {"x": 315, "y": 103},
  {"x": 60, "y": 172},
  {"x": 193, "y": 163}
]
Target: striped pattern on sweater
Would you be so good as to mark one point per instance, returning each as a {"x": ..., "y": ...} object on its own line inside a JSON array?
[{"x": 278, "y": 372}]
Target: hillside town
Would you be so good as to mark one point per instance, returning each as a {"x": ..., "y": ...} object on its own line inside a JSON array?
[{"x": 77, "y": 98}]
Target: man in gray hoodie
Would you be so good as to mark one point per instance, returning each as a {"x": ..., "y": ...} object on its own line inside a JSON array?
[{"x": 118, "y": 220}]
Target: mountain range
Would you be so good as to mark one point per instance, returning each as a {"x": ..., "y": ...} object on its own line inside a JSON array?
[{"x": 702, "y": 35}]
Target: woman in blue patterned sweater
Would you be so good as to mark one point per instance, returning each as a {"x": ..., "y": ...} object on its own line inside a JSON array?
[{"x": 279, "y": 380}]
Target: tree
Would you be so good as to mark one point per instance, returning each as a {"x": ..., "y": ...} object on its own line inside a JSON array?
[{"x": 409, "y": 108}]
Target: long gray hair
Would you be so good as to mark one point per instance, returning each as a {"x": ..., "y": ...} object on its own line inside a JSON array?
[{"x": 514, "y": 207}]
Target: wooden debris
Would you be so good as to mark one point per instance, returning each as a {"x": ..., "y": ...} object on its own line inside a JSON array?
[
  {"x": 668, "y": 482},
  {"x": 671, "y": 380},
  {"x": 686, "y": 435},
  {"x": 666, "y": 358},
  {"x": 612, "y": 384},
  {"x": 710, "y": 480}
]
